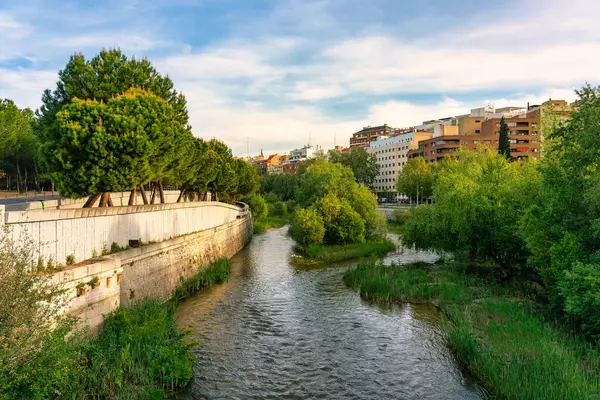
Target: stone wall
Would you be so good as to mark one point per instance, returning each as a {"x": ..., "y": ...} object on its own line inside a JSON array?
[
  {"x": 152, "y": 270},
  {"x": 89, "y": 232}
]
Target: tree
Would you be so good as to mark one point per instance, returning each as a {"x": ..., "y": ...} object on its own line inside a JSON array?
[
  {"x": 204, "y": 168},
  {"x": 225, "y": 182},
  {"x": 19, "y": 146},
  {"x": 247, "y": 179},
  {"x": 102, "y": 147},
  {"x": 108, "y": 74},
  {"x": 258, "y": 206},
  {"x": 307, "y": 227},
  {"x": 478, "y": 201},
  {"x": 283, "y": 185},
  {"x": 503, "y": 141},
  {"x": 416, "y": 179},
  {"x": 362, "y": 163}
]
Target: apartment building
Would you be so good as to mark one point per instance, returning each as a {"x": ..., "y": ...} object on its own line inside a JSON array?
[
  {"x": 392, "y": 154},
  {"x": 523, "y": 136},
  {"x": 366, "y": 135}
]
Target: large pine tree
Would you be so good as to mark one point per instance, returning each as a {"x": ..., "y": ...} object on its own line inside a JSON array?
[{"x": 503, "y": 141}]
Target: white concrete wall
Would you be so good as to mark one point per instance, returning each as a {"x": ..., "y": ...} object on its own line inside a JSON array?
[{"x": 59, "y": 233}]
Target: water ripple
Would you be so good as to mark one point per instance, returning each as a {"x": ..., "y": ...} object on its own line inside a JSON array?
[{"x": 276, "y": 332}]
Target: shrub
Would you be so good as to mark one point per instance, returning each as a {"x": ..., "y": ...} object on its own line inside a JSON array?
[
  {"x": 279, "y": 209},
  {"x": 271, "y": 197},
  {"x": 346, "y": 227},
  {"x": 258, "y": 206},
  {"x": 401, "y": 216},
  {"x": 580, "y": 288},
  {"x": 70, "y": 259},
  {"x": 307, "y": 227},
  {"x": 291, "y": 206}
]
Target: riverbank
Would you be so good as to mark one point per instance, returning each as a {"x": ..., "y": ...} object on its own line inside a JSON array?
[
  {"x": 497, "y": 333},
  {"x": 316, "y": 254},
  {"x": 267, "y": 222},
  {"x": 139, "y": 354}
]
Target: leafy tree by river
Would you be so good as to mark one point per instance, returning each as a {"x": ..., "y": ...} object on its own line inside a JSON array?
[
  {"x": 533, "y": 218},
  {"x": 362, "y": 163},
  {"x": 328, "y": 194},
  {"x": 416, "y": 179}
]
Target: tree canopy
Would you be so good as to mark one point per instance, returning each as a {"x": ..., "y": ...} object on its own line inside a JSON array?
[
  {"x": 416, "y": 179},
  {"x": 503, "y": 140},
  {"x": 362, "y": 163}
]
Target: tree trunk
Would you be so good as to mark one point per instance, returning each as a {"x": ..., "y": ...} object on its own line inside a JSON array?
[
  {"x": 181, "y": 193},
  {"x": 104, "y": 200},
  {"x": 18, "y": 178},
  {"x": 37, "y": 176},
  {"x": 216, "y": 197},
  {"x": 110, "y": 203},
  {"x": 153, "y": 193},
  {"x": 143, "y": 193},
  {"x": 91, "y": 200},
  {"x": 131, "y": 197},
  {"x": 162, "y": 195}
]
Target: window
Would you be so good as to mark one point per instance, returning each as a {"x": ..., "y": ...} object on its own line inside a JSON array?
[{"x": 477, "y": 130}]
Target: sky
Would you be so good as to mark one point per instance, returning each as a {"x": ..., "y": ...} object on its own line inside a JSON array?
[{"x": 272, "y": 74}]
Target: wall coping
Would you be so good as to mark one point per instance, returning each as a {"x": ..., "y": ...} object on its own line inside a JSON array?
[{"x": 15, "y": 217}]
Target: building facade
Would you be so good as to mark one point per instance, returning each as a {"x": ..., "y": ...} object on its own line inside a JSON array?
[
  {"x": 392, "y": 155},
  {"x": 366, "y": 135}
]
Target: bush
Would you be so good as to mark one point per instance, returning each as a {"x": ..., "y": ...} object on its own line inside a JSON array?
[
  {"x": 580, "y": 288},
  {"x": 346, "y": 227},
  {"x": 307, "y": 227},
  {"x": 271, "y": 198},
  {"x": 401, "y": 216},
  {"x": 279, "y": 209},
  {"x": 258, "y": 206},
  {"x": 291, "y": 206}
]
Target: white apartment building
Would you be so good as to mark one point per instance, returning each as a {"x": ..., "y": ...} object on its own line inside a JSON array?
[{"x": 391, "y": 153}]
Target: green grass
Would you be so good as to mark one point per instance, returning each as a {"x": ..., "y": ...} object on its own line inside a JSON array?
[
  {"x": 336, "y": 253},
  {"x": 139, "y": 355},
  {"x": 498, "y": 334},
  {"x": 394, "y": 227},
  {"x": 267, "y": 222},
  {"x": 217, "y": 272}
]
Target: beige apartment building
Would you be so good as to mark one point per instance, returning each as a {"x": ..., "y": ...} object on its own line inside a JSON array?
[{"x": 392, "y": 155}]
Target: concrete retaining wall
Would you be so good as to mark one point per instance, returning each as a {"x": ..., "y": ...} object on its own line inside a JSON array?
[
  {"x": 85, "y": 233},
  {"x": 151, "y": 270}
]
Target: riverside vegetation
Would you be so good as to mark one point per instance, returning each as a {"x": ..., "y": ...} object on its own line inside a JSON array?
[
  {"x": 332, "y": 216},
  {"x": 522, "y": 292},
  {"x": 140, "y": 354}
]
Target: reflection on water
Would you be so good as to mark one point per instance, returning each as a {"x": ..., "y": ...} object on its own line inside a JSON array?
[{"x": 273, "y": 331}]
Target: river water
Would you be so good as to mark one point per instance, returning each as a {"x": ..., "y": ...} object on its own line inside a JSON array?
[{"x": 275, "y": 331}]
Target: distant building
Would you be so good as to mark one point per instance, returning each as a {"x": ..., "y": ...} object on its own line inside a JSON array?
[
  {"x": 366, "y": 135},
  {"x": 392, "y": 154},
  {"x": 297, "y": 156}
]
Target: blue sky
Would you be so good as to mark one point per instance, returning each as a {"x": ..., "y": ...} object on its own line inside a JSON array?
[{"x": 278, "y": 70}]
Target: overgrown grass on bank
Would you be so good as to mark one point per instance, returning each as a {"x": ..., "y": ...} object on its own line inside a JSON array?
[
  {"x": 267, "y": 222},
  {"x": 140, "y": 354},
  {"x": 215, "y": 273},
  {"x": 498, "y": 334},
  {"x": 336, "y": 253}
]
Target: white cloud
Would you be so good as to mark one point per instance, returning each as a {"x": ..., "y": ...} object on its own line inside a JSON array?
[{"x": 25, "y": 86}]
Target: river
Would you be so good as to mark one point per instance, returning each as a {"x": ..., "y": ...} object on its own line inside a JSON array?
[{"x": 275, "y": 331}]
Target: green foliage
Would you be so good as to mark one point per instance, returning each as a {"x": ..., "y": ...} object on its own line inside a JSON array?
[
  {"x": 247, "y": 179},
  {"x": 291, "y": 206},
  {"x": 416, "y": 179},
  {"x": 307, "y": 227},
  {"x": 580, "y": 289},
  {"x": 140, "y": 354},
  {"x": 496, "y": 334},
  {"x": 503, "y": 140},
  {"x": 88, "y": 152},
  {"x": 216, "y": 272},
  {"x": 336, "y": 253},
  {"x": 271, "y": 198},
  {"x": 277, "y": 209},
  {"x": 268, "y": 222},
  {"x": 258, "y": 206},
  {"x": 345, "y": 227},
  {"x": 362, "y": 163},
  {"x": 70, "y": 259},
  {"x": 115, "y": 248},
  {"x": 401, "y": 216},
  {"x": 477, "y": 196},
  {"x": 284, "y": 186}
]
